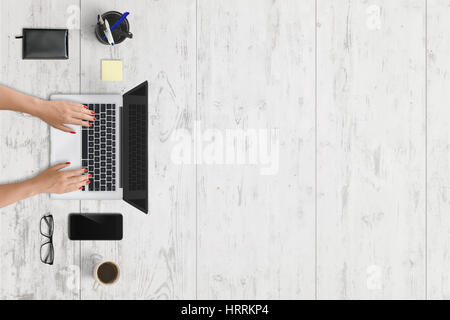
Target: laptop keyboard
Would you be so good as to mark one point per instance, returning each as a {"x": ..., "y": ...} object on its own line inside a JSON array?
[
  {"x": 99, "y": 148},
  {"x": 137, "y": 157}
]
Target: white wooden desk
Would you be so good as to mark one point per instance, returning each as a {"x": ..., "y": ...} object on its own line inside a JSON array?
[{"x": 360, "y": 205}]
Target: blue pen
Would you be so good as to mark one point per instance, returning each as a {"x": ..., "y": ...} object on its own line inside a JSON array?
[{"x": 118, "y": 21}]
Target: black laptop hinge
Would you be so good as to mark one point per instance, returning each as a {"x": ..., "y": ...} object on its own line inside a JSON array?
[{"x": 122, "y": 167}]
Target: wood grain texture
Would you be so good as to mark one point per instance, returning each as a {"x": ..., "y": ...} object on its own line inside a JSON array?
[
  {"x": 438, "y": 150},
  {"x": 374, "y": 226},
  {"x": 256, "y": 72},
  {"x": 371, "y": 149},
  {"x": 157, "y": 253},
  {"x": 24, "y": 151}
]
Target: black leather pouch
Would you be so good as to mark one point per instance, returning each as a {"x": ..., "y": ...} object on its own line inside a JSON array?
[{"x": 45, "y": 43}]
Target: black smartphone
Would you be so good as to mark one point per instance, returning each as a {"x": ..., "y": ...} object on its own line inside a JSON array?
[{"x": 95, "y": 226}]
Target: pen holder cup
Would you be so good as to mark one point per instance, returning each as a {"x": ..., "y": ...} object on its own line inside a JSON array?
[{"x": 120, "y": 33}]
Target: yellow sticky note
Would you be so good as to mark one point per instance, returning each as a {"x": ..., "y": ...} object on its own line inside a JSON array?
[{"x": 112, "y": 70}]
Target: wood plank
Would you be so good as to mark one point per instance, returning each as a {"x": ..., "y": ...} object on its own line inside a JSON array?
[
  {"x": 371, "y": 149},
  {"x": 24, "y": 151},
  {"x": 157, "y": 253},
  {"x": 438, "y": 138},
  {"x": 256, "y": 74}
]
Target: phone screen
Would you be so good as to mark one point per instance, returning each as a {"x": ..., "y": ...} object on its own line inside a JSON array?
[{"x": 95, "y": 226}]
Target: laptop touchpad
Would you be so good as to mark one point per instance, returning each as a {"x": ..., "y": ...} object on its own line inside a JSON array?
[{"x": 66, "y": 147}]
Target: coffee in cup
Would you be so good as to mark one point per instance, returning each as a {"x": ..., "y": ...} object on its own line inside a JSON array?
[{"x": 107, "y": 272}]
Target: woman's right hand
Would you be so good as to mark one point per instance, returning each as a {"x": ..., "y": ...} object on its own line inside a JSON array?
[
  {"x": 59, "y": 113},
  {"x": 52, "y": 180}
]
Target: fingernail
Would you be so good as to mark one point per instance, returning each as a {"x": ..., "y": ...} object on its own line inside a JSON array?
[
  {"x": 80, "y": 188},
  {"x": 89, "y": 181},
  {"x": 95, "y": 119},
  {"x": 67, "y": 162},
  {"x": 90, "y": 124},
  {"x": 85, "y": 107},
  {"x": 89, "y": 175},
  {"x": 73, "y": 132},
  {"x": 85, "y": 170},
  {"x": 92, "y": 112}
]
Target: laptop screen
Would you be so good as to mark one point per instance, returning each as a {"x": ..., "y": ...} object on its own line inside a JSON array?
[{"x": 134, "y": 147}]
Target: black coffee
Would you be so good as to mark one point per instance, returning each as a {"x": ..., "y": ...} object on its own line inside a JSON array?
[{"x": 107, "y": 272}]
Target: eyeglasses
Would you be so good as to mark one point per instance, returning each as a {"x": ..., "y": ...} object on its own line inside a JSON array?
[{"x": 46, "y": 229}]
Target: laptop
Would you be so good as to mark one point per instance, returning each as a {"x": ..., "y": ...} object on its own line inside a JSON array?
[{"x": 114, "y": 149}]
